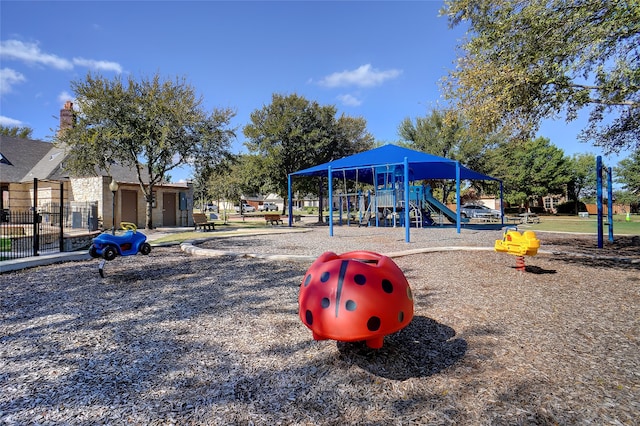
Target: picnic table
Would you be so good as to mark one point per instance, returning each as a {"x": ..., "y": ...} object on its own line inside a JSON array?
[
  {"x": 486, "y": 217},
  {"x": 513, "y": 219},
  {"x": 529, "y": 218}
]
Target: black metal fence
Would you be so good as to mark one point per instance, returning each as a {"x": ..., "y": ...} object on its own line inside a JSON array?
[{"x": 33, "y": 232}]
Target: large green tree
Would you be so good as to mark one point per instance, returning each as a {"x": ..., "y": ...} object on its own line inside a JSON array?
[
  {"x": 293, "y": 133},
  {"x": 16, "y": 131},
  {"x": 627, "y": 173},
  {"x": 446, "y": 133},
  {"x": 525, "y": 61},
  {"x": 235, "y": 177},
  {"x": 582, "y": 174},
  {"x": 529, "y": 170},
  {"x": 152, "y": 126}
]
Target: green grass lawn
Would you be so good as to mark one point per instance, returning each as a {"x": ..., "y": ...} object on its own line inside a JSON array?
[
  {"x": 547, "y": 223},
  {"x": 232, "y": 227},
  {"x": 587, "y": 225}
]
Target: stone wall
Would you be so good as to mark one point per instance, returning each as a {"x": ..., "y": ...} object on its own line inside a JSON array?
[{"x": 79, "y": 242}]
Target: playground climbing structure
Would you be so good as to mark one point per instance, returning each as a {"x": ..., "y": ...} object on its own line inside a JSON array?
[{"x": 385, "y": 205}]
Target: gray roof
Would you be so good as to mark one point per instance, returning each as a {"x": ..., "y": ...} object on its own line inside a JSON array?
[
  {"x": 49, "y": 167},
  {"x": 23, "y": 160},
  {"x": 19, "y": 156}
]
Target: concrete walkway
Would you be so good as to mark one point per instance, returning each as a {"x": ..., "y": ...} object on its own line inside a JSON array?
[
  {"x": 48, "y": 259},
  {"x": 153, "y": 235}
]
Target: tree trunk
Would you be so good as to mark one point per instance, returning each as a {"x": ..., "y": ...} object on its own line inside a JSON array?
[
  {"x": 148, "y": 214},
  {"x": 320, "y": 203}
]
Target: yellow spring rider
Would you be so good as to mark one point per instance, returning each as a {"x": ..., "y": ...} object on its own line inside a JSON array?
[{"x": 520, "y": 245}]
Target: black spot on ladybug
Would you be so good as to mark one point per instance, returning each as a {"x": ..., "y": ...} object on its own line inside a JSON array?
[
  {"x": 387, "y": 286},
  {"x": 350, "y": 305},
  {"x": 400, "y": 316},
  {"x": 409, "y": 293},
  {"x": 325, "y": 277},
  {"x": 309, "y": 317},
  {"x": 360, "y": 279},
  {"x": 325, "y": 302},
  {"x": 307, "y": 280},
  {"x": 373, "y": 324}
]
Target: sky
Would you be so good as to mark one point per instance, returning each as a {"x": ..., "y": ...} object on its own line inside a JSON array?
[{"x": 380, "y": 60}]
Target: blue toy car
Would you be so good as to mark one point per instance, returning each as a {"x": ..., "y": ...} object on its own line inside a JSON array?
[{"x": 110, "y": 246}]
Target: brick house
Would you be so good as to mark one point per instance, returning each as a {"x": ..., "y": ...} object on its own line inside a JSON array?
[{"x": 26, "y": 164}]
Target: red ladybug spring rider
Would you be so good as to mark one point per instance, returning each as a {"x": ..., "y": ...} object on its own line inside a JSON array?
[{"x": 360, "y": 295}]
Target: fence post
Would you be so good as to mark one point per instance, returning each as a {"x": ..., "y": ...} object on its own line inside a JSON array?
[
  {"x": 61, "y": 212},
  {"x": 36, "y": 235}
]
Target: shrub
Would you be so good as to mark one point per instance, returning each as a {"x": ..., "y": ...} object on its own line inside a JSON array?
[
  {"x": 569, "y": 207},
  {"x": 512, "y": 210}
]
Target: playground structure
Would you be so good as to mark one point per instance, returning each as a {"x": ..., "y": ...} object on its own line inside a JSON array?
[
  {"x": 390, "y": 167},
  {"x": 355, "y": 296},
  {"x": 519, "y": 245},
  {"x": 385, "y": 205}
]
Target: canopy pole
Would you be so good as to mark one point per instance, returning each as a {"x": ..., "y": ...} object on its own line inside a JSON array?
[
  {"x": 289, "y": 197},
  {"x": 458, "y": 215},
  {"x": 330, "y": 185},
  {"x": 356, "y": 180},
  {"x": 407, "y": 224},
  {"x": 501, "y": 203},
  {"x": 346, "y": 198},
  {"x": 374, "y": 173}
]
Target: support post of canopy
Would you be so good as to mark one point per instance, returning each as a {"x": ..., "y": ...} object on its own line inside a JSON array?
[
  {"x": 330, "y": 185},
  {"x": 458, "y": 215},
  {"x": 406, "y": 200},
  {"x": 501, "y": 203},
  {"x": 289, "y": 198}
]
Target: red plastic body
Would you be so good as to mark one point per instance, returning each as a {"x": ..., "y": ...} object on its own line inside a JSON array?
[{"x": 359, "y": 295}]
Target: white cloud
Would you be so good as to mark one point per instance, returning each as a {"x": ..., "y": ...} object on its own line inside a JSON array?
[
  {"x": 9, "y": 122},
  {"x": 65, "y": 96},
  {"x": 98, "y": 65},
  {"x": 363, "y": 76},
  {"x": 31, "y": 53},
  {"x": 349, "y": 100},
  {"x": 9, "y": 78}
]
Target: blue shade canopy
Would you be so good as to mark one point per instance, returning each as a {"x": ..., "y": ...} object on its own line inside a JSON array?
[{"x": 361, "y": 166}]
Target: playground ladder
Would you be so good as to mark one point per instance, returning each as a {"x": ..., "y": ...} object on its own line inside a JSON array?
[{"x": 417, "y": 214}]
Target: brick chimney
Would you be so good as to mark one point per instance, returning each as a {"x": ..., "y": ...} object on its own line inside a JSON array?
[{"x": 67, "y": 116}]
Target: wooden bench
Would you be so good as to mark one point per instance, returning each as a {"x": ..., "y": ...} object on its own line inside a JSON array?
[
  {"x": 274, "y": 219},
  {"x": 201, "y": 221}
]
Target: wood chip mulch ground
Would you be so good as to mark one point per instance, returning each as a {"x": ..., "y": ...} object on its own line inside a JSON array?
[{"x": 171, "y": 338}]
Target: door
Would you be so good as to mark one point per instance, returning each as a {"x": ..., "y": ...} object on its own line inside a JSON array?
[
  {"x": 128, "y": 207},
  {"x": 169, "y": 209}
]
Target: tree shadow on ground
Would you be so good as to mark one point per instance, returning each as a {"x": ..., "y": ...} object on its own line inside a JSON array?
[{"x": 423, "y": 348}]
